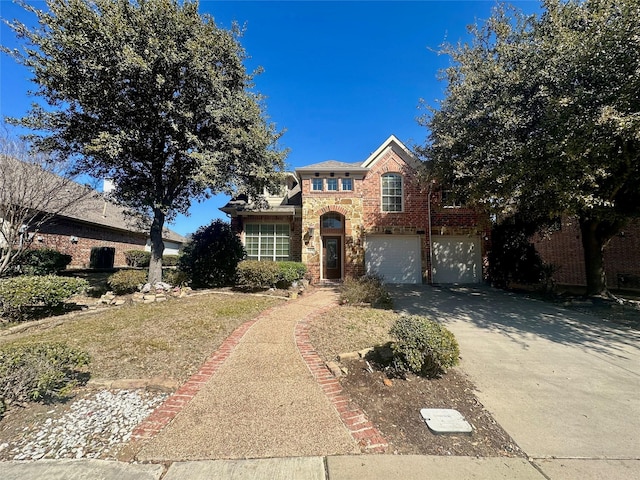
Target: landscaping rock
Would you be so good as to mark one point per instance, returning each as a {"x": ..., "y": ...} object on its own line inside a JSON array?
[{"x": 334, "y": 368}]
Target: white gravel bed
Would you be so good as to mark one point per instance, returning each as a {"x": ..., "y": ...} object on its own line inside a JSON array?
[{"x": 94, "y": 427}]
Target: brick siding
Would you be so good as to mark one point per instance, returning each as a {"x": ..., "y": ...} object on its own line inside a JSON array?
[
  {"x": 564, "y": 250},
  {"x": 58, "y": 236}
]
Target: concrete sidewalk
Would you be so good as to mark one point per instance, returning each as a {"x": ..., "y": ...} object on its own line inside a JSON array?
[{"x": 374, "y": 467}]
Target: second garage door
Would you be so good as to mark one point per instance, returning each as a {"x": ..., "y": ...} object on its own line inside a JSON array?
[
  {"x": 396, "y": 258},
  {"x": 457, "y": 260}
]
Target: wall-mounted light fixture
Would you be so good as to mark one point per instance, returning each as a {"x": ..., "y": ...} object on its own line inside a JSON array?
[
  {"x": 39, "y": 238},
  {"x": 73, "y": 239},
  {"x": 308, "y": 235}
]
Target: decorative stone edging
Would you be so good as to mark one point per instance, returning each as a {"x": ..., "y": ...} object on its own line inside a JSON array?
[{"x": 362, "y": 430}]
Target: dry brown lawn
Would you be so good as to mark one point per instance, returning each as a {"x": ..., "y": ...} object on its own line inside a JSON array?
[{"x": 169, "y": 339}]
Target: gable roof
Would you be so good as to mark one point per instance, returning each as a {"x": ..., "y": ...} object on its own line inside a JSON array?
[
  {"x": 97, "y": 209},
  {"x": 398, "y": 147},
  {"x": 84, "y": 204}
]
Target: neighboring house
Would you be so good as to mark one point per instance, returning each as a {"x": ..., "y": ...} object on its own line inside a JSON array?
[
  {"x": 98, "y": 222},
  {"x": 81, "y": 218},
  {"x": 347, "y": 219},
  {"x": 563, "y": 249}
]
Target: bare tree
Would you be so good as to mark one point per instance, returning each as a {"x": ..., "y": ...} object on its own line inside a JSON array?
[{"x": 33, "y": 191}]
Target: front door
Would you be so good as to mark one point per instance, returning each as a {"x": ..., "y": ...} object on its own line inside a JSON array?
[{"x": 332, "y": 255}]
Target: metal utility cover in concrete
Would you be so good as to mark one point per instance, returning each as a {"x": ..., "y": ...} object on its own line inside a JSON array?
[{"x": 445, "y": 420}]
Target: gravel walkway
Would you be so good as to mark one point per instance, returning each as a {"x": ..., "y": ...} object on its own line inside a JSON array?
[{"x": 262, "y": 402}]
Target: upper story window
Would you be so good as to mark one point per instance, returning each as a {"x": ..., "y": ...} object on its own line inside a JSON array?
[
  {"x": 332, "y": 184},
  {"x": 391, "y": 192},
  {"x": 449, "y": 199}
]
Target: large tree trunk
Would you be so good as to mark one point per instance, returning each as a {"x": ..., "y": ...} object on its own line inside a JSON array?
[
  {"x": 595, "y": 235},
  {"x": 157, "y": 247}
]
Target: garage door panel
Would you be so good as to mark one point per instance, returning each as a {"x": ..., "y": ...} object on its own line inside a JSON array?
[
  {"x": 396, "y": 259},
  {"x": 457, "y": 260}
]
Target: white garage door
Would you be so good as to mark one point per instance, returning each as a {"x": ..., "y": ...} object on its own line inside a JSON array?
[
  {"x": 395, "y": 258},
  {"x": 457, "y": 260}
]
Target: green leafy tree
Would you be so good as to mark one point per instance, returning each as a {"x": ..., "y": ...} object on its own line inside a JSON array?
[
  {"x": 153, "y": 95},
  {"x": 542, "y": 118}
]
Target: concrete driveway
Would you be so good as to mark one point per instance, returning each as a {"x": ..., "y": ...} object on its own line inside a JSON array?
[{"x": 566, "y": 386}]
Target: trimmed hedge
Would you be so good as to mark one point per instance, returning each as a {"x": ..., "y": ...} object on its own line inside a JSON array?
[
  {"x": 39, "y": 372},
  {"x": 256, "y": 274},
  {"x": 137, "y": 258},
  {"x": 19, "y": 294},
  {"x": 423, "y": 346},
  {"x": 127, "y": 281},
  {"x": 169, "y": 260},
  {"x": 43, "y": 261},
  {"x": 291, "y": 272}
]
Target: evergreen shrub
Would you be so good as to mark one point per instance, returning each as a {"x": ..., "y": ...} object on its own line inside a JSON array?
[
  {"x": 127, "y": 281},
  {"x": 36, "y": 372},
  {"x": 43, "y": 261},
  {"x": 137, "y": 258},
  {"x": 19, "y": 295},
  {"x": 256, "y": 274},
  {"x": 423, "y": 346},
  {"x": 211, "y": 256}
]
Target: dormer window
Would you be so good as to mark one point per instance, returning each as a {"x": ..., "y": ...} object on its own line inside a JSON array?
[{"x": 392, "y": 192}]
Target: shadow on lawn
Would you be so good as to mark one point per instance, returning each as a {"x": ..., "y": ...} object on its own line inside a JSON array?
[{"x": 516, "y": 316}]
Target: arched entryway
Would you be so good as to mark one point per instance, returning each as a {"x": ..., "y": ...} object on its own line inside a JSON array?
[{"x": 332, "y": 235}]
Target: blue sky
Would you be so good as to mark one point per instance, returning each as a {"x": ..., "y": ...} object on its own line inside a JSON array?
[{"x": 339, "y": 77}]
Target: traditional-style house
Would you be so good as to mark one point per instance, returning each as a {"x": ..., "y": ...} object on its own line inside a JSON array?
[{"x": 347, "y": 219}]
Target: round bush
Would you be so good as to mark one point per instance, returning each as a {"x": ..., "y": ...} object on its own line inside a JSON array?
[
  {"x": 19, "y": 294},
  {"x": 39, "y": 371},
  {"x": 211, "y": 256},
  {"x": 137, "y": 258},
  {"x": 43, "y": 261},
  {"x": 256, "y": 274},
  {"x": 423, "y": 346},
  {"x": 127, "y": 281}
]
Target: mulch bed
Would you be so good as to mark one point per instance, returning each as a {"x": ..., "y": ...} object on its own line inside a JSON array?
[{"x": 393, "y": 406}]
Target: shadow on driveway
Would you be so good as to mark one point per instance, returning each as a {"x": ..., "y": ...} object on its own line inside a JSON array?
[{"x": 516, "y": 317}]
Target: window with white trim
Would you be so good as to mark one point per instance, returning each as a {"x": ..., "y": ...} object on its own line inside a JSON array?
[
  {"x": 391, "y": 192},
  {"x": 316, "y": 184},
  {"x": 332, "y": 184},
  {"x": 267, "y": 241},
  {"x": 347, "y": 184}
]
